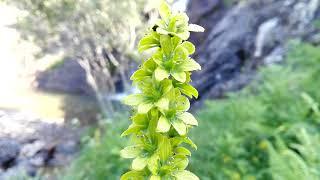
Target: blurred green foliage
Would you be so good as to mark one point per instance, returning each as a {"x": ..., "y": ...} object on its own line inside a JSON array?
[
  {"x": 100, "y": 158},
  {"x": 270, "y": 130}
]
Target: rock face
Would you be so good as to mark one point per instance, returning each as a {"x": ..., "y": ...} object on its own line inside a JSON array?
[
  {"x": 68, "y": 77},
  {"x": 28, "y": 143},
  {"x": 239, "y": 39},
  {"x": 207, "y": 13}
]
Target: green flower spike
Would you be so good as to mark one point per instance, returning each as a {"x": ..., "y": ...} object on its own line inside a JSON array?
[{"x": 160, "y": 123}]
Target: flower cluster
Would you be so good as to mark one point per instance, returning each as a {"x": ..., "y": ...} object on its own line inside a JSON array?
[{"x": 161, "y": 122}]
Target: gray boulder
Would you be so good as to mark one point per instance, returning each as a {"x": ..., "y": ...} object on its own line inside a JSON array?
[
  {"x": 68, "y": 77},
  {"x": 9, "y": 151}
]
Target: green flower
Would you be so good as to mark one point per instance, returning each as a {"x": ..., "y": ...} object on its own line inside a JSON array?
[
  {"x": 150, "y": 97},
  {"x": 144, "y": 153},
  {"x": 175, "y": 24},
  {"x": 176, "y": 115},
  {"x": 174, "y": 60},
  {"x": 160, "y": 122}
]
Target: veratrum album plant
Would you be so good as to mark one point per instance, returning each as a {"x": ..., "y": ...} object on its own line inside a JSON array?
[{"x": 160, "y": 122}]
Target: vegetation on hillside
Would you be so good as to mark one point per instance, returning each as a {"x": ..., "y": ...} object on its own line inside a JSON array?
[{"x": 270, "y": 130}]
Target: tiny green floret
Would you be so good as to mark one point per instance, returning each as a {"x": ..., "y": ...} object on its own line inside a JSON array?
[{"x": 160, "y": 122}]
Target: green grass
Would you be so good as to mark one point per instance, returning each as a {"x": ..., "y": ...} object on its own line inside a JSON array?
[{"x": 269, "y": 130}]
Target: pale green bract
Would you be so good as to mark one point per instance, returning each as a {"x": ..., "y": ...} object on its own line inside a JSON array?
[{"x": 160, "y": 123}]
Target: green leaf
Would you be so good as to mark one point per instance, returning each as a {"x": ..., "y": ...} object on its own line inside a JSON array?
[
  {"x": 162, "y": 31},
  {"x": 130, "y": 152},
  {"x": 148, "y": 42},
  {"x": 166, "y": 45},
  {"x": 180, "y": 127},
  {"x": 153, "y": 164},
  {"x": 172, "y": 25},
  {"x": 188, "y": 90},
  {"x": 144, "y": 108},
  {"x": 163, "y": 125},
  {"x": 182, "y": 104},
  {"x": 176, "y": 141},
  {"x": 164, "y": 10},
  {"x": 182, "y": 151},
  {"x": 141, "y": 120},
  {"x": 179, "y": 76},
  {"x": 132, "y": 129},
  {"x": 188, "y": 118},
  {"x": 183, "y": 19},
  {"x": 139, "y": 75},
  {"x": 133, "y": 175},
  {"x": 195, "y": 28},
  {"x": 133, "y": 99},
  {"x": 139, "y": 163},
  {"x": 180, "y": 162},
  {"x": 153, "y": 177},
  {"x": 190, "y": 65},
  {"x": 185, "y": 175},
  {"x": 175, "y": 41},
  {"x": 158, "y": 58},
  {"x": 191, "y": 143},
  {"x": 189, "y": 47},
  {"x": 149, "y": 66},
  {"x": 180, "y": 53},
  {"x": 311, "y": 103},
  {"x": 161, "y": 74},
  {"x": 163, "y": 104},
  {"x": 166, "y": 86},
  {"x": 164, "y": 149},
  {"x": 183, "y": 35}
]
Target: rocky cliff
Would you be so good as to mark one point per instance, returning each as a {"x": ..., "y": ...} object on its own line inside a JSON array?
[{"x": 246, "y": 35}]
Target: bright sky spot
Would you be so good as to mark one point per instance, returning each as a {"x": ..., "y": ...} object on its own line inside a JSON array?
[{"x": 180, "y": 5}]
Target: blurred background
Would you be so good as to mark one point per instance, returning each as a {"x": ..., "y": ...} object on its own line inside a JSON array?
[{"x": 65, "y": 66}]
